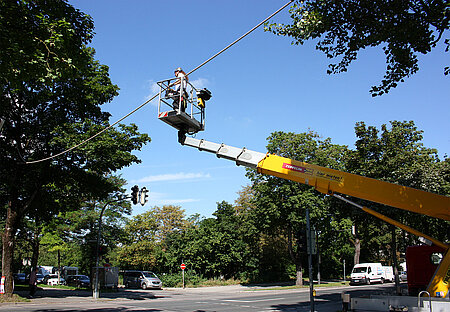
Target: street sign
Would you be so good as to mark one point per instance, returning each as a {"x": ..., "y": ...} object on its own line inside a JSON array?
[{"x": 183, "y": 266}]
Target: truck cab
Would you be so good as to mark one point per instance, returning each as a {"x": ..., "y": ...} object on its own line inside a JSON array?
[{"x": 422, "y": 262}]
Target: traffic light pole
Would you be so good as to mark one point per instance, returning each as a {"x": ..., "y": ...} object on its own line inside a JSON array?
[{"x": 96, "y": 291}]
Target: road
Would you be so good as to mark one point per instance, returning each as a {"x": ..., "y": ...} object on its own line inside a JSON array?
[{"x": 208, "y": 299}]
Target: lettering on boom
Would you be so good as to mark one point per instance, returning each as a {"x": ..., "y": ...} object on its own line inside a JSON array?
[
  {"x": 447, "y": 277},
  {"x": 298, "y": 169},
  {"x": 328, "y": 176}
]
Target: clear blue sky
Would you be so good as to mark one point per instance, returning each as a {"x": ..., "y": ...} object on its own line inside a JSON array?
[{"x": 262, "y": 84}]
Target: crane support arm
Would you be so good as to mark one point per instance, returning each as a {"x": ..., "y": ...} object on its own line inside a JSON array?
[{"x": 330, "y": 181}]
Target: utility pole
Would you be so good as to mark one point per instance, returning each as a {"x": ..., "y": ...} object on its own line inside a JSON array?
[
  {"x": 318, "y": 258},
  {"x": 310, "y": 251},
  {"x": 344, "y": 271}
]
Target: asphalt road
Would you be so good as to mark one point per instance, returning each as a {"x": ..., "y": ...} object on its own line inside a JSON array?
[{"x": 208, "y": 299}]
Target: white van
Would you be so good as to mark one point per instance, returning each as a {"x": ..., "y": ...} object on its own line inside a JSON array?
[
  {"x": 366, "y": 273},
  {"x": 388, "y": 274}
]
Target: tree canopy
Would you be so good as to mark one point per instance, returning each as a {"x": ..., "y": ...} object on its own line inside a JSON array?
[
  {"x": 343, "y": 28},
  {"x": 52, "y": 89}
]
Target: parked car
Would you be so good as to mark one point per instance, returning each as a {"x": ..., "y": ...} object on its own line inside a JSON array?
[
  {"x": 52, "y": 279},
  {"x": 39, "y": 278},
  {"x": 141, "y": 279},
  {"x": 20, "y": 278},
  {"x": 78, "y": 281}
]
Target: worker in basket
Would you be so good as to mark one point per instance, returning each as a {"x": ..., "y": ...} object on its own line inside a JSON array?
[{"x": 178, "y": 93}]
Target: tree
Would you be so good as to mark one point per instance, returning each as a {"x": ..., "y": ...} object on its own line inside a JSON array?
[
  {"x": 281, "y": 204},
  {"x": 51, "y": 92},
  {"x": 345, "y": 27},
  {"x": 212, "y": 247},
  {"x": 396, "y": 154},
  {"x": 138, "y": 249},
  {"x": 169, "y": 219}
]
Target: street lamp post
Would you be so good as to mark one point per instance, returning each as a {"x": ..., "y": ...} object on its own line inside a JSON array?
[
  {"x": 136, "y": 196},
  {"x": 96, "y": 291}
]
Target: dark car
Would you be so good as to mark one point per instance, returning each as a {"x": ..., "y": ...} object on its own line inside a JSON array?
[
  {"x": 78, "y": 281},
  {"x": 20, "y": 278},
  {"x": 39, "y": 278}
]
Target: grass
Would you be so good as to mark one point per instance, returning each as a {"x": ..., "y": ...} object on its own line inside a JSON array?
[
  {"x": 22, "y": 287},
  {"x": 215, "y": 282},
  {"x": 14, "y": 298},
  {"x": 59, "y": 287}
]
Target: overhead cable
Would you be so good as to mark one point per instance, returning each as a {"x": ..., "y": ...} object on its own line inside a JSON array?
[
  {"x": 153, "y": 97},
  {"x": 237, "y": 40},
  {"x": 95, "y": 135}
]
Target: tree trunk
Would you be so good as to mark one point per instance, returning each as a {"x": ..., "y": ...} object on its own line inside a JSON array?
[
  {"x": 8, "y": 239},
  {"x": 14, "y": 214},
  {"x": 35, "y": 245},
  {"x": 296, "y": 258},
  {"x": 357, "y": 250},
  {"x": 299, "y": 276}
]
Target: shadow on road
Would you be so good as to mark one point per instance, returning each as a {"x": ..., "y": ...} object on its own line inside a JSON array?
[
  {"x": 80, "y": 293},
  {"x": 97, "y": 310},
  {"x": 335, "y": 298}
]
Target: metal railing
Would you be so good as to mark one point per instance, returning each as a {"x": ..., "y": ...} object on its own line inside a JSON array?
[{"x": 183, "y": 100}]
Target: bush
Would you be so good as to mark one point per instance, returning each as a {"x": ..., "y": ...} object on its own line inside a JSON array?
[
  {"x": 176, "y": 279},
  {"x": 192, "y": 279}
]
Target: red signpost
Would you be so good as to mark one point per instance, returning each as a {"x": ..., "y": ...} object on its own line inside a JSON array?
[{"x": 183, "y": 266}]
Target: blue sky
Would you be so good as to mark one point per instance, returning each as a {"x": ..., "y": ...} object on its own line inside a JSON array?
[{"x": 260, "y": 85}]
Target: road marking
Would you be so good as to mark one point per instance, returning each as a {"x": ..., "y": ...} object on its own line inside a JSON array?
[{"x": 256, "y": 300}]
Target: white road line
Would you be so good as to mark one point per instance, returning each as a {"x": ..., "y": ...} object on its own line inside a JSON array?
[{"x": 250, "y": 301}]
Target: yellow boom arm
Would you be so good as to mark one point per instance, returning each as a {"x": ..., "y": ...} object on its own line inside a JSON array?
[{"x": 331, "y": 181}]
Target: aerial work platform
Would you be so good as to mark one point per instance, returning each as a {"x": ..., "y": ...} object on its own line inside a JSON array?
[{"x": 183, "y": 109}]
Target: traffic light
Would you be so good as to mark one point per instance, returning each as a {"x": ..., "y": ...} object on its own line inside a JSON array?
[
  {"x": 143, "y": 196},
  {"x": 302, "y": 240},
  {"x": 135, "y": 194}
]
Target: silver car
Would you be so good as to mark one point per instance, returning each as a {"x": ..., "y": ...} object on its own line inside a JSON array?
[{"x": 141, "y": 279}]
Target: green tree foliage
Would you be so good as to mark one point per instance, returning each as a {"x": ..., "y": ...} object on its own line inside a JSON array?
[
  {"x": 281, "y": 204},
  {"x": 170, "y": 219},
  {"x": 212, "y": 247},
  {"x": 140, "y": 255},
  {"x": 396, "y": 154},
  {"x": 75, "y": 232},
  {"x": 51, "y": 92},
  {"x": 343, "y": 28},
  {"x": 148, "y": 236}
]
